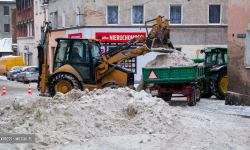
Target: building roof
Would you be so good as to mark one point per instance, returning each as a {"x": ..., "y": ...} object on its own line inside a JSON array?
[{"x": 6, "y": 45}]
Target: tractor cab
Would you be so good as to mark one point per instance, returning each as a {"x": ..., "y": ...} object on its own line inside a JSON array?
[
  {"x": 80, "y": 54},
  {"x": 215, "y": 57}
]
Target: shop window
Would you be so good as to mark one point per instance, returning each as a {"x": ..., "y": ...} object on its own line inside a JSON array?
[
  {"x": 6, "y": 10},
  {"x": 6, "y": 27},
  {"x": 175, "y": 14},
  {"x": 215, "y": 14},
  {"x": 138, "y": 15},
  {"x": 112, "y": 14}
]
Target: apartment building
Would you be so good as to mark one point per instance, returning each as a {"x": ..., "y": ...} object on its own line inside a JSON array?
[
  {"x": 6, "y": 18},
  {"x": 194, "y": 24},
  {"x": 238, "y": 69},
  {"x": 25, "y": 30},
  {"x": 5, "y": 27}
]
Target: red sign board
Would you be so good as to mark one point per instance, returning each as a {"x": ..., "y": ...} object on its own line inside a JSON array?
[
  {"x": 75, "y": 35},
  {"x": 118, "y": 36}
]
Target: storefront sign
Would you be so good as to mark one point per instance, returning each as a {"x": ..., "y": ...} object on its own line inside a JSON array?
[
  {"x": 75, "y": 35},
  {"x": 118, "y": 36}
]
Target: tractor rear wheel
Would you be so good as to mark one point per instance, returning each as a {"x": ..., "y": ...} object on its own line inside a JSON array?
[
  {"x": 193, "y": 97},
  {"x": 219, "y": 84},
  {"x": 63, "y": 83},
  {"x": 198, "y": 93}
]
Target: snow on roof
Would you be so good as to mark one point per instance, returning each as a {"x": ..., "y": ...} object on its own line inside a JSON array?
[
  {"x": 6, "y": 45},
  {"x": 9, "y": 56}
]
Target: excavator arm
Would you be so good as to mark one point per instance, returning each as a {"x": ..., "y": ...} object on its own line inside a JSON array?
[
  {"x": 42, "y": 56},
  {"x": 157, "y": 41}
]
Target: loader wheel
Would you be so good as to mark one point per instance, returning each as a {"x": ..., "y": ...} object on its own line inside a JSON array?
[
  {"x": 219, "y": 84},
  {"x": 198, "y": 93},
  {"x": 114, "y": 86},
  {"x": 63, "y": 83},
  {"x": 192, "y": 101}
]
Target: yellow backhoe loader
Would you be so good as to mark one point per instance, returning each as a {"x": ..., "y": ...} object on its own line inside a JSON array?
[{"x": 79, "y": 64}]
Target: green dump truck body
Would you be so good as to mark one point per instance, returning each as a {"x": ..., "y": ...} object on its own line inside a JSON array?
[{"x": 173, "y": 74}]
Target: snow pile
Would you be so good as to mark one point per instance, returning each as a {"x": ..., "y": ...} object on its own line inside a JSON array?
[
  {"x": 3, "y": 77},
  {"x": 174, "y": 59},
  {"x": 79, "y": 115}
]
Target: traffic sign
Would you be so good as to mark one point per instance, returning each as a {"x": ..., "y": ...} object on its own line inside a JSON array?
[{"x": 152, "y": 75}]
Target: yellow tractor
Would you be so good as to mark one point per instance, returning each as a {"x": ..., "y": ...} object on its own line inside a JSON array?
[{"x": 79, "y": 64}]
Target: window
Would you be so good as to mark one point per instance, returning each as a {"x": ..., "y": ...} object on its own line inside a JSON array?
[
  {"x": 215, "y": 14},
  {"x": 175, "y": 14},
  {"x": 36, "y": 34},
  {"x": 36, "y": 8},
  {"x": 6, "y": 10},
  {"x": 55, "y": 20},
  {"x": 63, "y": 19},
  {"x": 39, "y": 7},
  {"x": 112, "y": 14},
  {"x": 178, "y": 49},
  {"x": 138, "y": 15},
  {"x": 6, "y": 27},
  {"x": 77, "y": 16}
]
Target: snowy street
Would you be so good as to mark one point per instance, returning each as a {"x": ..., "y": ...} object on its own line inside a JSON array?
[{"x": 208, "y": 125}]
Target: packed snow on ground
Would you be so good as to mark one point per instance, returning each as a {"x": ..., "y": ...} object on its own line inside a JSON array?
[
  {"x": 3, "y": 77},
  {"x": 101, "y": 118}
]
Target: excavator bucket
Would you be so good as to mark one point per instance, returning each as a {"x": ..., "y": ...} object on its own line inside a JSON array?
[{"x": 158, "y": 38}]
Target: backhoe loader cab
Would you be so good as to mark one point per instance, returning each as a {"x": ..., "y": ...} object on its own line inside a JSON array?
[{"x": 79, "y": 54}]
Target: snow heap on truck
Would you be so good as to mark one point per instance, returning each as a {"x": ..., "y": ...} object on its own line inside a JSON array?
[
  {"x": 175, "y": 59},
  {"x": 72, "y": 118}
]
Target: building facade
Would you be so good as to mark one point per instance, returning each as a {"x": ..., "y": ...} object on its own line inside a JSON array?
[
  {"x": 194, "y": 24},
  {"x": 6, "y": 18},
  {"x": 40, "y": 15},
  {"x": 25, "y": 30},
  {"x": 238, "y": 52}
]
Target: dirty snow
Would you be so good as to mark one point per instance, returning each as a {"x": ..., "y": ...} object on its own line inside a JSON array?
[
  {"x": 79, "y": 115},
  {"x": 175, "y": 59}
]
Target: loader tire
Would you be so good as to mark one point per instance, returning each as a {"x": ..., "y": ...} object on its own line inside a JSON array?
[
  {"x": 219, "y": 84},
  {"x": 63, "y": 83},
  {"x": 192, "y": 101}
]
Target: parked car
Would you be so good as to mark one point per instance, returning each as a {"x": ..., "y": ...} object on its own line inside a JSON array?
[
  {"x": 27, "y": 74},
  {"x": 12, "y": 73}
]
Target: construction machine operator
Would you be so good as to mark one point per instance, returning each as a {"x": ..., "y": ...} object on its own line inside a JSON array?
[{"x": 75, "y": 56}]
